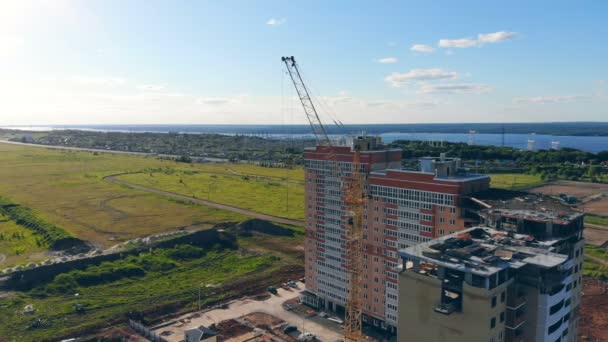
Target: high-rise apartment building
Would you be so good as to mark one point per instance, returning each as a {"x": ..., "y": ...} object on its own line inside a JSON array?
[
  {"x": 518, "y": 281},
  {"x": 404, "y": 207}
]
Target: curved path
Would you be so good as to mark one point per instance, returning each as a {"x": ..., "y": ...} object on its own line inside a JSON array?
[{"x": 254, "y": 214}]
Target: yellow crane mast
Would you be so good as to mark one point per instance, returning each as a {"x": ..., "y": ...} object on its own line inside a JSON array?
[{"x": 354, "y": 195}]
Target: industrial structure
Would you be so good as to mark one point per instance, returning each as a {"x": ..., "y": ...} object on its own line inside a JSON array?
[
  {"x": 518, "y": 278},
  {"x": 403, "y": 208},
  {"x": 350, "y": 180}
]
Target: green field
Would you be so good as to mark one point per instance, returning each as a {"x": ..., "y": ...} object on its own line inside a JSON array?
[
  {"x": 19, "y": 245},
  {"x": 593, "y": 266},
  {"x": 600, "y": 221},
  {"x": 67, "y": 189},
  {"x": 515, "y": 181},
  {"x": 273, "y": 196},
  {"x": 148, "y": 284}
]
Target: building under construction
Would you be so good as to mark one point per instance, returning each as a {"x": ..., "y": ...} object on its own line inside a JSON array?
[
  {"x": 402, "y": 208},
  {"x": 519, "y": 278}
]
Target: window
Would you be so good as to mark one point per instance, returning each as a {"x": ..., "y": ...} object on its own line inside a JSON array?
[
  {"x": 453, "y": 210},
  {"x": 494, "y": 301},
  {"x": 502, "y": 297},
  {"x": 441, "y": 220},
  {"x": 452, "y": 222},
  {"x": 441, "y": 232},
  {"x": 492, "y": 322},
  {"x": 502, "y": 317}
]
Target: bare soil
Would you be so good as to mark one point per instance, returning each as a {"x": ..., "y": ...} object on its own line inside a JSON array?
[
  {"x": 230, "y": 328},
  {"x": 577, "y": 189},
  {"x": 595, "y": 237},
  {"x": 597, "y": 206},
  {"x": 593, "y": 323}
]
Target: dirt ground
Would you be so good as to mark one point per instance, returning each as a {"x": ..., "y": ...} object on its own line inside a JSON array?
[
  {"x": 597, "y": 206},
  {"x": 593, "y": 324},
  {"x": 577, "y": 189},
  {"x": 595, "y": 237}
]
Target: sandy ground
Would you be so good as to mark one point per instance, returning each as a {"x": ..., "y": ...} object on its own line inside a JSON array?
[
  {"x": 577, "y": 189},
  {"x": 593, "y": 324},
  {"x": 240, "y": 308},
  {"x": 595, "y": 237}
]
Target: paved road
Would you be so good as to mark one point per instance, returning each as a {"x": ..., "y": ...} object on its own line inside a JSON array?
[
  {"x": 272, "y": 306},
  {"x": 242, "y": 211}
]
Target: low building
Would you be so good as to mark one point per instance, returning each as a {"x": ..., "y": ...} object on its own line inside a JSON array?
[
  {"x": 483, "y": 284},
  {"x": 200, "y": 334}
]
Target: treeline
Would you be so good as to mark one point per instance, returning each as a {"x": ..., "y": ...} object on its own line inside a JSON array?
[
  {"x": 565, "y": 163},
  {"x": 52, "y": 235},
  {"x": 187, "y": 147},
  {"x": 416, "y": 149}
]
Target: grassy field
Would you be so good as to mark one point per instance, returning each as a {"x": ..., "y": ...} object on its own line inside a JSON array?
[
  {"x": 515, "y": 181},
  {"x": 600, "y": 221},
  {"x": 19, "y": 245},
  {"x": 593, "y": 268},
  {"x": 271, "y": 196},
  {"x": 141, "y": 283},
  {"x": 67, "y": 189}
]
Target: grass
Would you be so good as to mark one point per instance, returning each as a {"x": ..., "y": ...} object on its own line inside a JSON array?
[
  {"x": 66, "y": 188},
  {"x": 133, "y": 291},
  {"x": 515, "y": 181},
  {"x": 266, "y": 195},
  {"x": 18, "y": 244},
  {"x": 593, "y": 268},
  {"x": 597, "y": 220}
]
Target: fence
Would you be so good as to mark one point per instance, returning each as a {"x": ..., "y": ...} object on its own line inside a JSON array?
[{"x": 146, "y": 332}]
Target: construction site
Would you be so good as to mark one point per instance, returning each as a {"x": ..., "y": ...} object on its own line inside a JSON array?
[{"x": 374, "y": 228}]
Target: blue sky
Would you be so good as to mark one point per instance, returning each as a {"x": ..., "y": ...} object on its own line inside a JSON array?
[{"x": 82, "y": 62}]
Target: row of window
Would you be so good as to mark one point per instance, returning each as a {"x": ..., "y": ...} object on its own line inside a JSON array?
[
  {"x": 415, "y": 227},
  {"x": 404, "y": 203},
  {"x": 413, "y": 195}
]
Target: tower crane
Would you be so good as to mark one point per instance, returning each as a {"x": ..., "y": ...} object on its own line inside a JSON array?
[{"x": 354, "y": 198}]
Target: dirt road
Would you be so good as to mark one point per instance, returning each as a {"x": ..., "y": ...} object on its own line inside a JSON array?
[{"x": 226, "y": 207}]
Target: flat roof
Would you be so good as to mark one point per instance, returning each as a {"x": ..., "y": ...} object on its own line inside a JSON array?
[
  {"x": 559, "y": 217},
  {"x": 483, "y": 251},
  {"x": 460, "y": 177}
]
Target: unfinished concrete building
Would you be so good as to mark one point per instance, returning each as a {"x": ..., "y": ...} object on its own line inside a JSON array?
[{"x": 484, "y": 284}]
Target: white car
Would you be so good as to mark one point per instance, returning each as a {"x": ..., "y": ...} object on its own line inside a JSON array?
[{"x": 306, "y": 337}]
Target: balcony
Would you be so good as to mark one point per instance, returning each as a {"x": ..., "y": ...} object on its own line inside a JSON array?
[
  {"x": 515, "y": 318},
  {"x": 445, "y": 308},
  {"x": 514, "y": 335},
  {"x": 515, "y": 302}
]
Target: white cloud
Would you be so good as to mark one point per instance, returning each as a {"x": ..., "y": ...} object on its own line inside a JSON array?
[
  {"x": 400, "y": 79},
  {"x": 422, "y": 48},
  {"x": 152, "y": 87},
  {"x": 482, "y": 38},
  {"x": 10, "y": 45},
  {"x": 495, "y": 37},
  {"x": 220, "y": 101},
  {"x": 214, "y": 101},
  {"x": 388, "y": 60},
  {"x": 550, "y": 99},
  {"x": 276, "y": 21},
  {"x": 454, "y": 88},
  {"x": 99, "y": 80},
  {"x": 458, "y": 43}
]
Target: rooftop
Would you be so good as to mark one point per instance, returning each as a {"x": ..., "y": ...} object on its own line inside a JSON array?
[
  {"x": 483, "y": 251},
  {"x": 561, "y": 217},
  {"x": 457, "y": 177}
]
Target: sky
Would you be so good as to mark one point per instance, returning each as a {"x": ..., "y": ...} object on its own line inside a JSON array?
[{"x": 219, "y": 62}]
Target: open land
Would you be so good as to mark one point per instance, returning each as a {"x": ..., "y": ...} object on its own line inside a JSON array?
[
  {"x": 592, "y": 324},
  {"x": 515, "y": 181},
  {"x": 269, "y": 195},
  {"x": 69, "y": 189}
]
